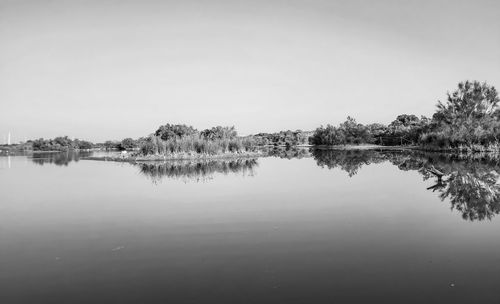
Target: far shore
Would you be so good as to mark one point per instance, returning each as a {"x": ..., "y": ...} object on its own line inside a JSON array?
[{"x": 14, "y": 149}]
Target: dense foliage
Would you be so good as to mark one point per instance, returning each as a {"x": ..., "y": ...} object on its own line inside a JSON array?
[{"x": 348, "y": 132}]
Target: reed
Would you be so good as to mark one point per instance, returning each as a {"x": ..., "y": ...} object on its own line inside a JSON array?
[{"x": 195, "y": 144}]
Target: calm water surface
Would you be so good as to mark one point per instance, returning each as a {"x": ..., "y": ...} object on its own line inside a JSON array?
[{"x": 331, "y": 227}]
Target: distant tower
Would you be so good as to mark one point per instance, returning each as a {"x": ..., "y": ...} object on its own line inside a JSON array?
[{"x": 8, "y": 140}]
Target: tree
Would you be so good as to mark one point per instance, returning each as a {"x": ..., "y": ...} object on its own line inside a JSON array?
[
  {"x": 470, "y": 100},
  {"x": 40, "y": 144},
  {"x": 169, "y": 131},
  {"x": 406, "y": 120},
  {"x": 63, "y": 141},
  {"x": 110, "y": 145},
  {"x": 405, "y": 129},
  {"x": 128, "y": 144},
  {"x": 328, "y": 135},
  {"x": 468, "y": 118},
  {"x": 377, "y": 131},
  {"x": 219, "y": 133},
  {"x": 84, "y": 145},
  {"x": 354, "y": 133}
]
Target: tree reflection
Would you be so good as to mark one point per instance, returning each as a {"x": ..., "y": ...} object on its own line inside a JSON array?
[
  {"x": 471, "y": 185},
  {"x": 474, "y": 194},
  {"x": 288, "y": 152},
  {"x": 196, "y": 170},
  {"x": 349, "y": 161},
  {"x": 58, "y": 158}
]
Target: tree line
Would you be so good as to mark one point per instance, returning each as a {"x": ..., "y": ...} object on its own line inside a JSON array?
[
  {"x": 404, "y": 130},
  {"x": 469, "y": 120}
]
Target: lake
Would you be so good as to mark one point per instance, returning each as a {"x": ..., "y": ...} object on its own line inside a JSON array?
[{"x": 296, "y": 227}]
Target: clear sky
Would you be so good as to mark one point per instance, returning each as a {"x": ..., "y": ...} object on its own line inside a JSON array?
[{"x": 102, "y": 69}]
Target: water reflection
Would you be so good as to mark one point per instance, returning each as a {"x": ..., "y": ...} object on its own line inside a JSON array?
[
  {"x": 288, "y": 152},
  {"x": 59, "y": 158},
  {"x": 470, "y": 185},
  {"x": 475, "y": 194},
  {"x": 196, "y": 170},
  {"x": 349, "y": 161}
]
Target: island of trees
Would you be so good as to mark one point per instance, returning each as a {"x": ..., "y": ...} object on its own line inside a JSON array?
[
  {"x": 182, "y": 140},
  {"x": 61, "y": 143},
  {"x": 468, "y": 121}
]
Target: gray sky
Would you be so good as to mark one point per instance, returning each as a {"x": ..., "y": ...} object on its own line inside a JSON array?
[{"x": 112, "y": 69}]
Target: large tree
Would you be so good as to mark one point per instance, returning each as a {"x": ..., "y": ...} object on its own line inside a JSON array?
[
  {"x": 472, "y": 100},
  {"x": 470, "y": 116}
]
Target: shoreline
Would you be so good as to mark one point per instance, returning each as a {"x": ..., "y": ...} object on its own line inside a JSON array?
[
  {"x": 365, "y": 147},
  {"x": 181, "y": 157},
  {"x": 456, "y": 151},
  {"x": 131, "y": 158}
]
